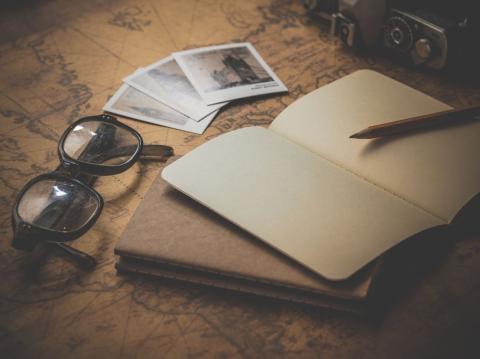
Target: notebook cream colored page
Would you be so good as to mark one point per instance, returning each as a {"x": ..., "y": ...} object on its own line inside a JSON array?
[{"x": 342, "y": 202}]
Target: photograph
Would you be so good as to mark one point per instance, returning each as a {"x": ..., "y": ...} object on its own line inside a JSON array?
[
  {"x": 165, "y": 81},
  {"x": 132, "y": 103},
  {"x": 228, "y": 72}
]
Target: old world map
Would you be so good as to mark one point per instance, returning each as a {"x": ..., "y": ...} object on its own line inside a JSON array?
[{"x": 61, "y": 60}]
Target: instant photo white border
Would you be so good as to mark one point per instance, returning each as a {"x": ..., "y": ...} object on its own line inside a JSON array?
[
  {"x": 196, "y": 113},
  {"x": 189, "y": 126},
  {"x": 229, "y": 94}
]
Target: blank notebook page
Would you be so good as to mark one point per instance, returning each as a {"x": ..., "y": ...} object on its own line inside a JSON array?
[
  {"x": 317, "y": 213},
  {"x": 437, "y": 169}
]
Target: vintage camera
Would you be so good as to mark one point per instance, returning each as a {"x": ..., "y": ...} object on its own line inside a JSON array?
[
  {"x": 426, "y": 37},
  {"x": 423, "y": 32},
  {"x": 321, "y": 9},
  {"x": 326, "y": 7},
  {"x": 358, "y": 23}
]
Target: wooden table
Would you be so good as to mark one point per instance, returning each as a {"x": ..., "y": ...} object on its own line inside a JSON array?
[{"x": 61, "y": 60}]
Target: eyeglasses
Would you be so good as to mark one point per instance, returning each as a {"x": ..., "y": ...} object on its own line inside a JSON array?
[{"x": 60, "y": 206}]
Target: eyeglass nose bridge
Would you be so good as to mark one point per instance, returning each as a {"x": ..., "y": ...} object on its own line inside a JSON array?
[{"x": 69, "y": 168}]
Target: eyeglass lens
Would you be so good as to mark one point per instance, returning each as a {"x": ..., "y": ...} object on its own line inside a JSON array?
[
  {"x": 59, "y": 205},
  {"x": 98, "y": 142}
]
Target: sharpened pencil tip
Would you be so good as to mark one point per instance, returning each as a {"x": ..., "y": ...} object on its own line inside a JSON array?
[{"x": 361, "y": 134}]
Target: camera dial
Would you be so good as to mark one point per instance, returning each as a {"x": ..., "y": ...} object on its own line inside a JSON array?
[
  {"x": 423, "y": 48},
  {"x": 398, "y": 34}
]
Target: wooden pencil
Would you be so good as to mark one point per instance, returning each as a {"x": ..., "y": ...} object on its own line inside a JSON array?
[{"x": 418, "y": 122}]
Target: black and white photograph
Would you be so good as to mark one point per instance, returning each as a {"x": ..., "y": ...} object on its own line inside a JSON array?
[
  {"x": 228, "y": 72},
  {"x": 165, "y": 81},
  {"x": 130, "y": 102}
]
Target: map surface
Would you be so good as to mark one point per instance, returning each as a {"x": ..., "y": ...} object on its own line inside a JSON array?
[{"x": 61, "y": 60}]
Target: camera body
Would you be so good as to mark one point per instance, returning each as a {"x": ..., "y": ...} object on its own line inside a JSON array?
[
  {"x": 421, "y": 37},
  {"x": 358, "y": 22},
  {"x": 422, "y": 32}
]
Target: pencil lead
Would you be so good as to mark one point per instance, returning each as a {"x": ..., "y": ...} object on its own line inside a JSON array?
[{"x": 361, "y": 134}]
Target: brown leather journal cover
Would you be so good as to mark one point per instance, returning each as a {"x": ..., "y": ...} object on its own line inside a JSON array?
[{"x": 173, "y": 236}]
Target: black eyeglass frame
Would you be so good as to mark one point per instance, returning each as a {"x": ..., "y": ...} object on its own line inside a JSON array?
[
  {"x": 28, "y": 235},
  {"x": 24, "y": 229},
  {"x": 98, "y": 169}
]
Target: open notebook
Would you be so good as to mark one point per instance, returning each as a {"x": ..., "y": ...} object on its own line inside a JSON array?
[{"x": 342, "y": 202}]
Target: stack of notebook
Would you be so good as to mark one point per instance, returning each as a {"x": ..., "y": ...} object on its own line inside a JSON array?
[
  {"x": 316, "y": 208},
  {"x": 172, "y": 236}
]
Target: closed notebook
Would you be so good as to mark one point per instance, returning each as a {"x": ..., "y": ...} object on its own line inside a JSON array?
[
  {"x": 327, "y": 201},
  {"x": 170, "y": 235}
]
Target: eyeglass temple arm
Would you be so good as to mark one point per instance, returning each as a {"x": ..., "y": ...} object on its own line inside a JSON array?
[
  {"x": 104, "y": 139},
  {"x": 149, "y": 152},
  {"x": 50, "y": 216},
  {"x": 85, "y": 261},
  {"x": 156, "y": 152}
]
